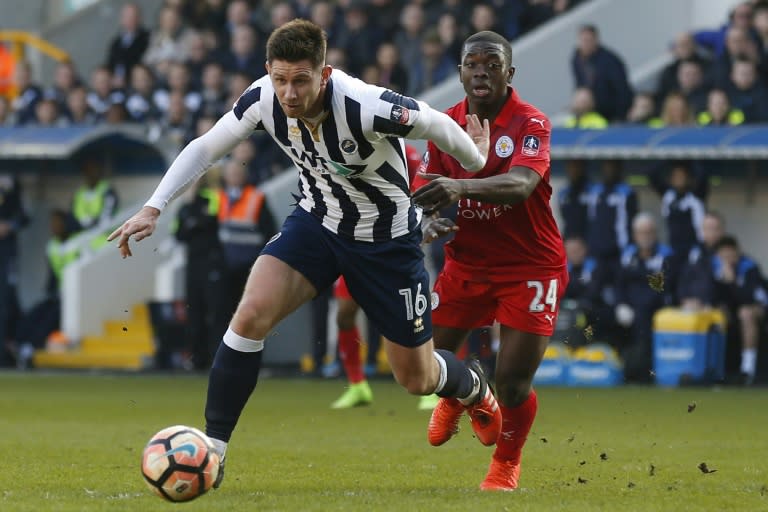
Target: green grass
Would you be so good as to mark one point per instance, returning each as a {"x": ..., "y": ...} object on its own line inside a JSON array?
[{"x": 73, "y": 443}]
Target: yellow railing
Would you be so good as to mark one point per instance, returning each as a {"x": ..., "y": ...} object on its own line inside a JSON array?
[{"x": 18, "y": 41}]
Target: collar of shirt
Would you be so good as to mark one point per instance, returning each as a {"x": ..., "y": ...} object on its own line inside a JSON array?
[{"x": 503, "y": 117}]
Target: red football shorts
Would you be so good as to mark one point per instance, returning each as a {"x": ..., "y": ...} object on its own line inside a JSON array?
[
  {"x": 340, "y": 290},
  {"x": 528, "y": 306}
]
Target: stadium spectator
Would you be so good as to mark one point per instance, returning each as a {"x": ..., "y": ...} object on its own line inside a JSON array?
[
  {"x": 740, "y": 289},
  {"x": 244, "y": 55},
  {"x": 386, "y": 15},
  {"x": 359, "y": 37},
  {"x": 391, "y": 74},
  {"x": 683, "y": 193},
  {"x": 695, "y": 287},
  {"x": 583, "y": 113},
  {"x": 213, "y": 91},
  {"x": 205, "y": 270},
  {"x": 280, "y": 14},
  {"x": 739, "y": 18},
  {"x": 760, "y": 26},
  {"x": 747, "y": 93},
  {"x": 587, "y": 286},
  {"x": 140, "y": 102},
  {"x": 45, "y": 316},
  {"x": 128, "y": 46},
  {"x": 29, "y": 94},
  {"x": 336, "y": 58},
  {"x": 719, "y": 111},
  {"x": 178, "y": 82},
  {"x": 602, "y": 71},
  {"x": 739, "y": 46},
  {"x": 450, "y": 34},
  {"x": 47, "y": 114},
  {"x": 205, "y": 15},
  {"x": 324, "y": 15},
  {"x": 642, "y": 111},
  {"x": 177, "y": 122},
  {"x": 65, "y": 78},
  {"x": 239, "y": 13},
  {"x": 168, "y": 42},
  {"x": 197, "y": 57},
  {"x": 613, "y": 206},
  {"x": 483, "y": 18},
  {"x": 535, "y": 12},
  {"x": 574, "y": 200},
  {"x": 433, "y": 67},
  {"x": 101, "y": 94},
  {"x": 637, "y": 299},
  {"x": 95, "y": 202},
  {"x": 690, "y": 79},
  {"x": 78, "y": 112},
  {"x": 245, "y": 226},
  {"x": 675, "y": 111},
  {"x": 12, "y": 219},
  {"x": 684, "y": 49},
  {"x": 408, "y": 37}
]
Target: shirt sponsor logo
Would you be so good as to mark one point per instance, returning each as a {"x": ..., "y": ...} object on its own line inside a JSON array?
[
  {"x": 530, "y": 145},
  {"x": 400, "y": 114},
  {"x": 504, "y": 146}
]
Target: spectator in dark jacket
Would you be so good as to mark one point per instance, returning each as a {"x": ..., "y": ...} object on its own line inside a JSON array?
[
  {"x": 612, "y": 208},
  {"x": 740, "y": 288},
  {"x": 359, "y": 38},
  {"x": 691, "y": 84},
  {"x": 684, "y": 49},
  {"x": 602, "y": 71},
  {"x": 639, "y": 296},
  {"x": 128, "y": 46},
  {"x": 695, "y": 287},
  {"x": 574, "y": 200},
  {"x": 747, "y": 93},
  {"x": 683, "y": 196}
]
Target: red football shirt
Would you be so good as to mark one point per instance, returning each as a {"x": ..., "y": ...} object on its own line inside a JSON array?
[{"x": 512, "y": 242}]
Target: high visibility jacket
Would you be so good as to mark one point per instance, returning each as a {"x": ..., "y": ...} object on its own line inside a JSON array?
[
  {"x": 734, "y": 117},
  {"x": 239, "y": 220},
  {"x": 90, "y": 205},
  {"x": 590, "y": 121},
  {"x": 60, "y": 254}
]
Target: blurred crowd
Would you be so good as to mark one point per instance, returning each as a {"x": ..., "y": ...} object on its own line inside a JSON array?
[
  {"x": 717, "y": 77},
  {"x": 178, "y": 69},
  {"x": 622, "y": 272}
]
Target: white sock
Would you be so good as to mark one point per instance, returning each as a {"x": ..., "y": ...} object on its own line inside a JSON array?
[
  {"x": 749, "y": 361},
  {"x": 241, "y": 344},
  {"x": 441, "y": 380},
  {"x": 220, "y": 446},
  {"x": 472, "y": 397}
]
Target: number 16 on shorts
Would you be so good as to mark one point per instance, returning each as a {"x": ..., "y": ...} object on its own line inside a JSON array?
[{"x": 415, "y": 306}]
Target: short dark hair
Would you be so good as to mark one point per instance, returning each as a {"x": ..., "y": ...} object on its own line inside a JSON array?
[
  {"x": 488, "y": 36},
  {"x": 728, "y": 241},
  {"x": 297, "y": 40},
  {"x": 590, "y": 28}
]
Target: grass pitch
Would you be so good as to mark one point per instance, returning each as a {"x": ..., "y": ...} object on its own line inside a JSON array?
[{"x": 73, "y": 443}]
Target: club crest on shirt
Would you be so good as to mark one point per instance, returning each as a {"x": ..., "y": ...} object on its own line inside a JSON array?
[
  {"x": 530, "y": 145},
  {"x": 294, "y": 131},
  {"x": 348, "y": 146},
  {"x": 399, "y": 114},
  {"x": 435, "y": 300},
  {"x": 504, "y": 146}
]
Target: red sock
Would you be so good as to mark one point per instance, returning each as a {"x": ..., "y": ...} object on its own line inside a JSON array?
[
  {"x": 515, "y": 425},
  {"x": 349, "y": 351}
]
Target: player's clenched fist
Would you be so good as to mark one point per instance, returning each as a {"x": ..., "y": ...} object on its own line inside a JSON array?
[
  {"x": 438, "y": 193},
  {"x": 140, "y": 226}
]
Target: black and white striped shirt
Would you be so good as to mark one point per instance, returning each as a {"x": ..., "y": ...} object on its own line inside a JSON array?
[{"x": 352, "y": 169}]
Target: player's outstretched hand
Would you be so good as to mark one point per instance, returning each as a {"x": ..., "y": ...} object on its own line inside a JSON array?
[
  {"x": 438, "y": 193},
  {"x": 436, "y": 227},
  {"x": 140, "y": 226},
  {"x": 480, "y": 133}
]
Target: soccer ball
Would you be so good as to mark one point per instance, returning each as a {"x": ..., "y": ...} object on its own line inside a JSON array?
[{"x": 179, "y": 463}]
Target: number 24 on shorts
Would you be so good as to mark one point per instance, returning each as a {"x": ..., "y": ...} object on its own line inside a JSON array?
[{"x": 550, "y": 299}]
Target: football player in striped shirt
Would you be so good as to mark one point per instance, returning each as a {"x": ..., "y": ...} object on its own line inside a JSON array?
[{"x": 354, "y": 218}]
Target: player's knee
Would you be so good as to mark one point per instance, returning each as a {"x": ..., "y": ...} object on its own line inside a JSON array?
[
  {"x": 253, "y": 318},
  {"x": 512, "y": 392},
  {"x": 415, "y": 384}
]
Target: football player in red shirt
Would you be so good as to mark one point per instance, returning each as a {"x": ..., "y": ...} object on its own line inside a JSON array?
[{"x": 507, "y": 260}]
